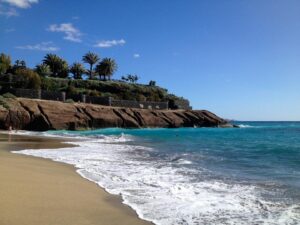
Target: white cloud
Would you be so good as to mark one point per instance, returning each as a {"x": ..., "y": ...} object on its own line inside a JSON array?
[
  {"x": 136, "y": 55},
  {"x": 44, "y": 46},
  {"x": 20, "y": 3},
  {"x": 71, "y": 33},
  {"x": 75, "y": 17},
  {"x": 109, "y": 43},
  {"x": 8, "y": 11}
]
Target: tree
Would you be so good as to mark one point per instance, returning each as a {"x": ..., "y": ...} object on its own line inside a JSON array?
[
  {"x": 23, "y": 63},
  {"x": 19, "y": 64},
  {"x": 58, "y": 66},
  {"x": 77, "y": 70},
  {"x": 130, "y": 78},
  {"x": 152, "y": 83},
  {"x": 5, "y": 63},
  {"x": 106, "y": 67},
  {"x": 92, "y": 59},
  {"x": 43, "y": 70}
]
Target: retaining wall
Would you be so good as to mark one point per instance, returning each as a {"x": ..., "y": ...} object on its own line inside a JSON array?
[
  {"x": 62, "y": 96},
  {"x": 141, "y": 105}
]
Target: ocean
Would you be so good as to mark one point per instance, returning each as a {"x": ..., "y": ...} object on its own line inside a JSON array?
[{"x": 247, "y": 175}]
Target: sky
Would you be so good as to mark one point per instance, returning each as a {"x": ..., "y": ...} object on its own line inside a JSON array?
[{"x": 237, "y": 58}]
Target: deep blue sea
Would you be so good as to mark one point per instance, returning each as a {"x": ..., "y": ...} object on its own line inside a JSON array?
[{"x": 247, "y": 175}]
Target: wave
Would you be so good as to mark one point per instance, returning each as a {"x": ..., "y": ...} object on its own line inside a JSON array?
[
  {"x": 163, "y": 193},
  {"x": 245, "y": 126}
]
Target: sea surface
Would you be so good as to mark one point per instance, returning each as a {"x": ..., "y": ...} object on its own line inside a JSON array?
[{"x": 248, "y": 175}]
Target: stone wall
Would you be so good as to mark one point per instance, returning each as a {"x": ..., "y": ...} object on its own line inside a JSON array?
[
  {"x": 62, "y": 96},
  {"x": 25, "y": 93},
  {"x": 180, "y": 104},
  {"x": 98, "y": 100},
  {"x": 141, "y": 105},
  {"x": 52, "y": 95}
]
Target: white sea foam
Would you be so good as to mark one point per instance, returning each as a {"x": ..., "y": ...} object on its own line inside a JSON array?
[
  {"x": 244, "y": 126},
  {"x": 164, "y": 194}
]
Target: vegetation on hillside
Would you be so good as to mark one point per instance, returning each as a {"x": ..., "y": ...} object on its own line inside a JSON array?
[{"x": 55, "y": 74}]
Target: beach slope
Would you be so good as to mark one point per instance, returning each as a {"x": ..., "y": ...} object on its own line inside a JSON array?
[{"x": 37, "y": 191}]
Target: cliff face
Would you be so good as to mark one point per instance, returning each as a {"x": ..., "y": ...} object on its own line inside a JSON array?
[{"x": 39, "y": 115}]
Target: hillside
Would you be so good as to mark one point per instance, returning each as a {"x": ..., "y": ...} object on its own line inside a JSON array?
[{"x": 116, "y": 89}]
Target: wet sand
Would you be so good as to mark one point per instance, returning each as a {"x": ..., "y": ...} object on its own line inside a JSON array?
[{"x": 35, "y": 191}]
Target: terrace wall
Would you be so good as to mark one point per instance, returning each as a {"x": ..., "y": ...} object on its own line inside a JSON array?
[
  {"x": 62, "y": 96},
  {"x": 141, "y": 105}
]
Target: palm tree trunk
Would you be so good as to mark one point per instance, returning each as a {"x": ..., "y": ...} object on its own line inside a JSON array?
[{"x": 91, "y": 72}]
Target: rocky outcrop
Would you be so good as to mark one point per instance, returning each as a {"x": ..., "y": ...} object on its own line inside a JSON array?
[{"x": 41, "y": 115}]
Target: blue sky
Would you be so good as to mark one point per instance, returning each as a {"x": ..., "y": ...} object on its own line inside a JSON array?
[{"x": 237, "y": 58}]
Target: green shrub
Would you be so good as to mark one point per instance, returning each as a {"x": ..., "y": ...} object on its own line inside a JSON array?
[
  {"x": 141, "y": 98},
  {"x": 28, "y": 79},
  {"x": 49, "y": 84},
  {"x": 9, "y": 95},
  {"x": 3, "y": 102},
  {"x": 69, "y": 101},
  {"x": 94, "y": 93},
  {"x": 71, "y": 90}
]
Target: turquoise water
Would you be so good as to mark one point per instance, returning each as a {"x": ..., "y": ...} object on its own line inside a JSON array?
[
  {"x": 256, "y": 152},
  {"x": 247, "y": 175}
]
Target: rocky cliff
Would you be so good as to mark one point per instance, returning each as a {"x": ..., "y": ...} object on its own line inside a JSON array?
[{"x": 41, "y": 115}]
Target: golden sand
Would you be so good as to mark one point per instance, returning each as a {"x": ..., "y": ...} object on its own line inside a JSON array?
[{"x": 36, "y": 191}]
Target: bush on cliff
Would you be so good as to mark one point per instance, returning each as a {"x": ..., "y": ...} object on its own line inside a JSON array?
[
  {"x": 27, "y": 78},
  {"x": 9, "y": 95},
  {"x": 69, "y": 101},
  {"x": 71, "y": 90},
  {"x": 50, "y": 84},
  {"x": 3, "y": 102}
]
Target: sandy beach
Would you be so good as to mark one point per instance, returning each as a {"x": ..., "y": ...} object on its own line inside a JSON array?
[{"x": 38, "y": 191}]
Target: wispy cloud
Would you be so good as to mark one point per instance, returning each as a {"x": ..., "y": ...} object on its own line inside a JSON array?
[
  {"x": 20, "y": 3},
  {"x": 75, "y": 17},
  {"x": 44, "y": 46},
  {"x": 8, "y": 7},
  {"x": 8, "y": 11},
  {"x": 109, "y": 43},
  {"x": 71, "y": 33},
  {"x": 136, "y": 55}
]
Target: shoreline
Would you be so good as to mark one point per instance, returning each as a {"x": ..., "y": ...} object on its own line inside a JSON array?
[{"x": 36, "y": 190}]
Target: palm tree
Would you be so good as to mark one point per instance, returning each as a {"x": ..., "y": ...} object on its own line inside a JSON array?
[
  {"x": 92, "y": 59},
  {"x": 77, "y": 70},
  {"x": 23, "y": 63},
  {"x": 106, "y": 67},
  {"x": 17, "y": 63},
  {"x": 43, "y": 70},
  {"x": 130, "y": 78},
  {"x": 58, "y": 66}
]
